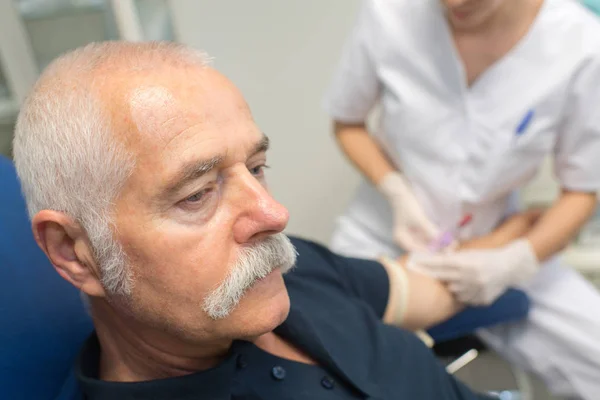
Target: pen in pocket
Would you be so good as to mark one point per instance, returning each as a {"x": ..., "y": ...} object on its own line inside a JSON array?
[{"x": 522, "y": 127}]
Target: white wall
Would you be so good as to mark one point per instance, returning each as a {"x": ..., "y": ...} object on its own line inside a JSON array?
[{"x": 281, "y": 54}]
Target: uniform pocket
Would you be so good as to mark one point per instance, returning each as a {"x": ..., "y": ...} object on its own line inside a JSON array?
[
  {"x": 521, "y": 161},
  {"x": 501, "y": 161},
  {"x": 541, "y": 141},
  {"x": 519, "y": 165}
]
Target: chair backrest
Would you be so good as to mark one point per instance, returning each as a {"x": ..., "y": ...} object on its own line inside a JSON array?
[{"x": 42, "y": 319}]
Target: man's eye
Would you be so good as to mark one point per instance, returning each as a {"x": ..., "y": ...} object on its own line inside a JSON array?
[
  {"x": 258, "y": 170},
  {"x": 197, "y": 197}
]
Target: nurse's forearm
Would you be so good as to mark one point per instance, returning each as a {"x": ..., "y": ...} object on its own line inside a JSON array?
[
  {"x": 514, "y": 227},
  {"x": 362, "y": 150},
  {"x": 557, "y": 226}
]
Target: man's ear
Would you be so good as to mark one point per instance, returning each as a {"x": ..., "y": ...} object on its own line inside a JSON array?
[{"x": 66, "y": 245}]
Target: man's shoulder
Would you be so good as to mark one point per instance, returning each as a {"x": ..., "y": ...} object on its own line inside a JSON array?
[
  {"x": 316, "y": 259},
  {"x": 309, "y": 250},
  {"x": 313, "y": 260},
  {"x": 321, "y": 274},
  {"x": 317, "y": 275},
  {"x": 303, "y": 243}
]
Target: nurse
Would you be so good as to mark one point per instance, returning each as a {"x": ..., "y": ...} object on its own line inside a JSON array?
[{"x": 473, "y": 95}]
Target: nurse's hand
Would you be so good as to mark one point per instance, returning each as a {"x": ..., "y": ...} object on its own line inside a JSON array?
[
  {"x": 413, "y": 231},
  {"x": 479, "y": 277}
]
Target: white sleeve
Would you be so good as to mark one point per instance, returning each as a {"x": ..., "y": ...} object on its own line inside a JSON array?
[
  {"x": 355, "y": 87},
  {"x": 577, "y": 152}
]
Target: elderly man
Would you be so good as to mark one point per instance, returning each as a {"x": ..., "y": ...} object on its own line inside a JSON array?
[{"x": 143, "y": 173}]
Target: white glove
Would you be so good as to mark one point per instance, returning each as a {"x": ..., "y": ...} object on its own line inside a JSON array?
[
  {"x": 413, "y": 231},
  {"x": 479, "y": 277}
]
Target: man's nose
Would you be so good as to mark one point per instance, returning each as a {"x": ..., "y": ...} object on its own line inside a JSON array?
[{"x": 260, "y": 214}]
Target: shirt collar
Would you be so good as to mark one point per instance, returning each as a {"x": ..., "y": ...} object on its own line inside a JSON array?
[
  {"x": 217, "y": 383},
  {"x": 300, "y": 331},
  {"x": 214, "y": 383}
]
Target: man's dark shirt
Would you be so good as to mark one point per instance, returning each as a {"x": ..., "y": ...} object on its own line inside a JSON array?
[{"x": 336, "y": 308}]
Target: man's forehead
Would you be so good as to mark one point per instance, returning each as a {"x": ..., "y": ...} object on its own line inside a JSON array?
[
  {"x": 153, "y": 108},
  {"x": 176, "y": 115},
  {"x": 161, "y": 103}
]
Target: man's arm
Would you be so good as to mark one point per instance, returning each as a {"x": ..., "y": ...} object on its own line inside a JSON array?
[{"x": 418, "y": 301}]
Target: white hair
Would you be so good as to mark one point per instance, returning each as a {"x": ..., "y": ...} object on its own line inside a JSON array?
[{"x": 65, "y": 152}]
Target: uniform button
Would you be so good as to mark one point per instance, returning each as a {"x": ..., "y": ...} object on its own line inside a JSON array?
[
  {"x": 241, "y": 362},
  {"x": 327, "y": 382},
  {"x": 278, "y": 373}
]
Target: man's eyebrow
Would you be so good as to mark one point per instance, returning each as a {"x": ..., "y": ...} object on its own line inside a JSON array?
[
  {"x": 261, "y": 146},
  {"x": 191, "y": 172},
  {"x": 195, "y": 170}
]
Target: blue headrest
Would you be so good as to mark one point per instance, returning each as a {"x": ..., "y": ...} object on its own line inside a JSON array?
[{"x": 42, "y": 320}]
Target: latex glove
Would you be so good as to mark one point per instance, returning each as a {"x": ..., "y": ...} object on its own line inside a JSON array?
[
  {"x": 413, "y": 231},
  {"x": 479, "y": 277}
]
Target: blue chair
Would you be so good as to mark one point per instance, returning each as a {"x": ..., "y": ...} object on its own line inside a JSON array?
[
  {"x": 454, "y": 337},
  {"x": 42, "y": 320},
  {"x": 511, "y": 306}
]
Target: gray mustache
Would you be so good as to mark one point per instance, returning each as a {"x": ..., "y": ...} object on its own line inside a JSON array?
[{"x": 254, "y": 263}]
